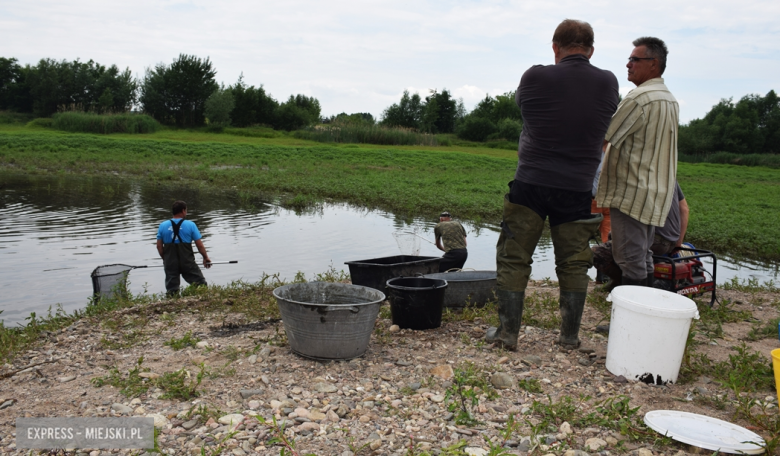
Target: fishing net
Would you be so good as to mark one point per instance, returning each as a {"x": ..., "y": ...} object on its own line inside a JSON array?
[
  {"x": 110, "y": 280},
  {"x": 408, "y": 243}
]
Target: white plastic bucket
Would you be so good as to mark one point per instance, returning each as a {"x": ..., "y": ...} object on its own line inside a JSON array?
[{"x": 647, "y": 333}]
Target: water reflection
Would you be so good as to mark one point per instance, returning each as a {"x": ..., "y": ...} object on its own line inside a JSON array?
[{"x": 55, "y": 230}]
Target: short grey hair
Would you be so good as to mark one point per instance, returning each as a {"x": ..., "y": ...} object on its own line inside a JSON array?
[{"x": 656, "y": 49}]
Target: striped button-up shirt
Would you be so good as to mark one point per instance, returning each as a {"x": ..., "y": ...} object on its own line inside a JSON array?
[{"x": 640, "y": 167}]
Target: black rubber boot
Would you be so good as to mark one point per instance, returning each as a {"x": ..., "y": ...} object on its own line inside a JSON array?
[
  {"x": 510, "y": 314},
  {"x": 615, "y": 277},
  {"x": 638, "y": 282},
  {"x": 571, "y": 304}
]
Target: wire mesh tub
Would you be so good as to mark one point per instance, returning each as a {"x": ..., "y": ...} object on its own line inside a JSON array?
[
  {"x": 328, "y": 320},
  {"x": 109, "y": 281},
  {"x": 376, "y": 272},
  {"x": 467, "y": 287}
]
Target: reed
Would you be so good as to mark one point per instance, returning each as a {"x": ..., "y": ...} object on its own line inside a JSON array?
[
  {"x": 366, "y": 134},
  {"x": 85, "y": 122}
]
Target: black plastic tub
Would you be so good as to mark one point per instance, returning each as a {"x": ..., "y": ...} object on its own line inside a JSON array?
[
  {"x": 467, "y": 287},
  {"x": 375, "y": 273},
  {"x": 416, "y": 302}
]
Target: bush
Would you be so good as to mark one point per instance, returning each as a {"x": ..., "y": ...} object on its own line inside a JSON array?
[
  {"x": 8, "y": 117},
  {"x": 509, "y": 129},
  {"x": 82, "y": 122},
  {"x": 45, "y": 122},
  {"x": 476, "y": 128}
]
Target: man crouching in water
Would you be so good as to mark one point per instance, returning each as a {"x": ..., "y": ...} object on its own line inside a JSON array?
[
  {"x": 566, "y": 110},
  {"x": 174, "y": 244}
]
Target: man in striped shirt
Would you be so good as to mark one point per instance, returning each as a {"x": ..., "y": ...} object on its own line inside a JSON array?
[{"x": 640, "y": 166}]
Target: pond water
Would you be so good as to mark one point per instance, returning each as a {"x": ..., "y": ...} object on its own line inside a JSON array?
[{"x": 55, "y": 230}]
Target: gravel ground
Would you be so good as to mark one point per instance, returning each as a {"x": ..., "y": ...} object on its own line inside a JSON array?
[{"x": 384, "y": 403}]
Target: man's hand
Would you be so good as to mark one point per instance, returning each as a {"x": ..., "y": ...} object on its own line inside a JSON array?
[{"x": 202, "y": 250}]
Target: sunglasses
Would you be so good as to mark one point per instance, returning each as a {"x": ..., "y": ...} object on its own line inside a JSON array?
[{"x": 636, "y": 59}]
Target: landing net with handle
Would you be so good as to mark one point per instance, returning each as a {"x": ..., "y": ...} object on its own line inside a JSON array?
[
  {"x": 110, "y": 280},
  {"x": 408, "y": 243}
]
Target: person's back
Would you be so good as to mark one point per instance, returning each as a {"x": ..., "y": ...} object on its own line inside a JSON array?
[
  {"x": 451, "y": 239},
  {"x": 565, "y": 116},
  {"x": 566, "y": 111},
  {"x": 174, "y": 245}
]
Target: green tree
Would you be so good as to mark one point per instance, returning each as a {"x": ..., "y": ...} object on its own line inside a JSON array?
[
  {"x": 440, "y": 112},
  {"x": 750, "y": 126},
  {"x": 297, "y": 112},
  {"x": 406, "y": 113},
  {"x": 219, "y": 106},
  {"x": 177, "y": 94},
  {"x": 355, "y": 118},
  {"x": 10, "y": 74},
  {"x": 253, "y": 106}
]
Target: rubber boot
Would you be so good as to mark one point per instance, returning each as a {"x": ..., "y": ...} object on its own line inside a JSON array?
[
  {"x": 573, "y": 256},
  {"x": 521, "y": 229},
  {"x": 571, "y": 304},
  {"x": 510, "y": 314},
  {"x": 638, "y": 282},
  {"x": 615, "y": 277}
]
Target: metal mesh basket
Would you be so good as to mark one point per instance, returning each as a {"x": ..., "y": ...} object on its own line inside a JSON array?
[{"x": 110, "y": 280}]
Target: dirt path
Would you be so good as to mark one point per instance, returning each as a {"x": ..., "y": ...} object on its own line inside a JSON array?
[{"x": 375, "y": 404}]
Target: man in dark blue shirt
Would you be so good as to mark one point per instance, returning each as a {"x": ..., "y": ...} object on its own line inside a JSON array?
[{"x": 566, "y": 110}]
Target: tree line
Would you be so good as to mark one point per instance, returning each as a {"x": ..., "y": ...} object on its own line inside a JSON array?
[
  {"x": 185, "y": 93},
  {"x": 749, "y": 126}
]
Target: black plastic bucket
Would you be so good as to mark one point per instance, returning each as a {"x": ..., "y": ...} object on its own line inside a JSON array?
[
  {"x": 416, "y": 302},
  {"x": 375, "y": 273}
]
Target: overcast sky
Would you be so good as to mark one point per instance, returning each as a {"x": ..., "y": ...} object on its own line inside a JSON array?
[{"x": 359, "y": 56}]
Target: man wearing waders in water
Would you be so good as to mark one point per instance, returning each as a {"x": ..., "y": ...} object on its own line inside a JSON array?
[{"x": 174, "y": 244}]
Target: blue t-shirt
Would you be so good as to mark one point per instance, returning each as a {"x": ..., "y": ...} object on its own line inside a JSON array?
[{"x": 188, "y": 232}]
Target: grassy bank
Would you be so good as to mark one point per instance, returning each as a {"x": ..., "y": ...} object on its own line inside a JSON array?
[{"x": 732, "y": 207}]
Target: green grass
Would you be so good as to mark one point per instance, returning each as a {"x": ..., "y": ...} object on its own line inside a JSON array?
[
  {"x": 185, "y": 341},
  {"x": 732, "y": 207}
]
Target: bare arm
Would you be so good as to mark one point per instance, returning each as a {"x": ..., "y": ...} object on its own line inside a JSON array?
[
  {"x": 684, "y": 212},
  {"x": 438, "y": 244},
  {"x": 160, "y": 248},
  {"x": 202, "y": 250}
]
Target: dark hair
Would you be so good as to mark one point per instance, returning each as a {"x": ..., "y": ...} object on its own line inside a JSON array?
[
  {"x": 178, "y": 206},
  {"x": 656, "y": 49},
  {"x": 572, "y": 33}
]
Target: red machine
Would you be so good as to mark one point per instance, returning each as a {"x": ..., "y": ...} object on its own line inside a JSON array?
[{"x": 685, "y": 273}]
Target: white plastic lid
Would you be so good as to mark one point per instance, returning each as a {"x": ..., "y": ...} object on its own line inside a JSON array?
[
  {"x": 704, "y": 432},
  {"x": 652, "y": 301}
]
